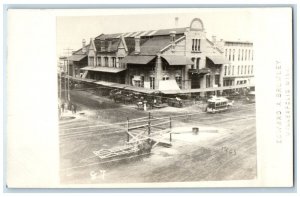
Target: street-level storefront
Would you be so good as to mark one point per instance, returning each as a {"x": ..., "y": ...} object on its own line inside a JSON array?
[
  {"x": 156, "y": 72},
  {"x": 116, "y": 75},
  {"x": 76, "y": 62}
]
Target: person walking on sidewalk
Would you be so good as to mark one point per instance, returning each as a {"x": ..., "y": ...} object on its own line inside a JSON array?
[
  {"x": 75, "y": 108},
  {"x": 62, "y": 107}
]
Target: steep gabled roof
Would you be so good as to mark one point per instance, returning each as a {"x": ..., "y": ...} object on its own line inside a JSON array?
[
  {"x": 79, "y": 51},
  {"x": 211, "y": 43},
  {"x": 153, "y": 45},
  {"x": 114, "y": 45},
  {"x": 159, "y": 32}
]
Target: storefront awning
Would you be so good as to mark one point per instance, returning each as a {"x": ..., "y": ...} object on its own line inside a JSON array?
[
  {"x": 218, "y": 59},
  {"x": 199, "y": 71},
  {"x": 177, "y": 60},
  {"x": 168, "y": 85},
  {"x": 76, "y": 58},
  {"x": 140, "y": 89},
  {"x": 110, "y": 84},
  {"x": 103, "y": 69},
  {"x": 137, "y": 59}
]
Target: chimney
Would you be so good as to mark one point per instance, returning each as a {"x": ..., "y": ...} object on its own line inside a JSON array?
[
  {"x": 172, "y": 38},
  {"x": 137, "y": 48},
  {"x": 83, "y": 46},
  {"x": 176, "y": 21}
]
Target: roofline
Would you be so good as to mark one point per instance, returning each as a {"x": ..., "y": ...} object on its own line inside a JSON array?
[
  {"x": 169, "y": 45},
  {"x": 210, "y": 42},
  {"x": 238, "y": 42},
  {"x": 131, "y": 33}
]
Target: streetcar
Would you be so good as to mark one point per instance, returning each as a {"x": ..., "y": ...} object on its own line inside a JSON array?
[
  {"x": 218, "y": 104},
  {"x": 251, "y": 97}
]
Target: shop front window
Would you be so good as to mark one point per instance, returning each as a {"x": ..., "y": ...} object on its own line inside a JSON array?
[
  {"x": 166, "y": 78},
  {"x": 217, "y": 80},
  {"x": 179, "y": 81},
  {"x": 152, "y": 82},
  {"x": 207, "y": 81}
]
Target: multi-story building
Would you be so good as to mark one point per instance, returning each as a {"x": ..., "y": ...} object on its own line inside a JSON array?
[
  {"x": 240, "y": 70},
  {"x": 178, "y": 60}
]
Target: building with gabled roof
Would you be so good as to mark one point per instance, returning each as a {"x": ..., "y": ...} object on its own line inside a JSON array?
[{"x": 178, "y": 60}]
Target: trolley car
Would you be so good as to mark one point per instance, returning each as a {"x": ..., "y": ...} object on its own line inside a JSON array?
[
  {"x": 218, "y": 104},
  {"x": 251, "y": 97}
]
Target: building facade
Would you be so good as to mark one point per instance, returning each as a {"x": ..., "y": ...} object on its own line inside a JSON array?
[
  {"x": 241, "y": 68},
  {"x": 178, "y": 60}
]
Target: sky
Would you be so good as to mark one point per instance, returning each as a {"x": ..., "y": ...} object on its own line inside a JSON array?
[{"x": 227, "y": 24}]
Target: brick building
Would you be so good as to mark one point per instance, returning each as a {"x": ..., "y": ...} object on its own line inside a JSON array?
[{"x": 178, "y": 60}]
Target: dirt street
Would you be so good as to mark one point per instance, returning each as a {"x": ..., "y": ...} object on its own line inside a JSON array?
[{"x": 224, "y": 148}]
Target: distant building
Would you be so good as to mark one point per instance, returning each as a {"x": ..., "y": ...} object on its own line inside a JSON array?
[
  {"x": 178, "y": 60},
  {"x": 240, "y": 70}
]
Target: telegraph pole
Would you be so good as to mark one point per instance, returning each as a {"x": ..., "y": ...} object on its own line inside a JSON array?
[
  {"x": 68, "y": 50},
  {"x": 60, "y": 86}
]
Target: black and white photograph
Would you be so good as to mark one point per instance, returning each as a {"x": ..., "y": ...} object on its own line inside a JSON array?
[
  {"x": 156, "y": 98},
  {"x": 152, "y": 98}
]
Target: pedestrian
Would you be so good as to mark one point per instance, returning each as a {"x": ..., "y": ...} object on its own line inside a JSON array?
[
  {"x": 72, "y": 109},
  {"x": 69, "y": 105},
  {"x": 63, "y": 107},
  {"x": 75, "y": 108}
]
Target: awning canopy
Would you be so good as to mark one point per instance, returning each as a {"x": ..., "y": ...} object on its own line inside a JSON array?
[
  {"x": 168, "y": 85},
  {"x": 140, "y": 89},
  {"x": 76, "y": 58},
  {"x": 103, "y": 69},
  {"x": 199, "y": 71},
  {"x": 218, "y": 59},
  {"x": 111, "y": 84},
  {"x": 137, "y": 59},
  {"x": 177, "y": 60},
  {"x": 124, "y": 86},
  {"x": 81, "y": 79}
]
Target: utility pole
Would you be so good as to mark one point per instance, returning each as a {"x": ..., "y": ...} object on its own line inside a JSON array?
[
  {"x": 68, "y": 50},
  {"x": 60, "y": 86},
  {"x": 65, "y": 80}
]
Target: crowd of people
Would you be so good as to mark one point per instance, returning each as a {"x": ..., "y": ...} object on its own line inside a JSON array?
[{"x": 67, "y": 106}]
